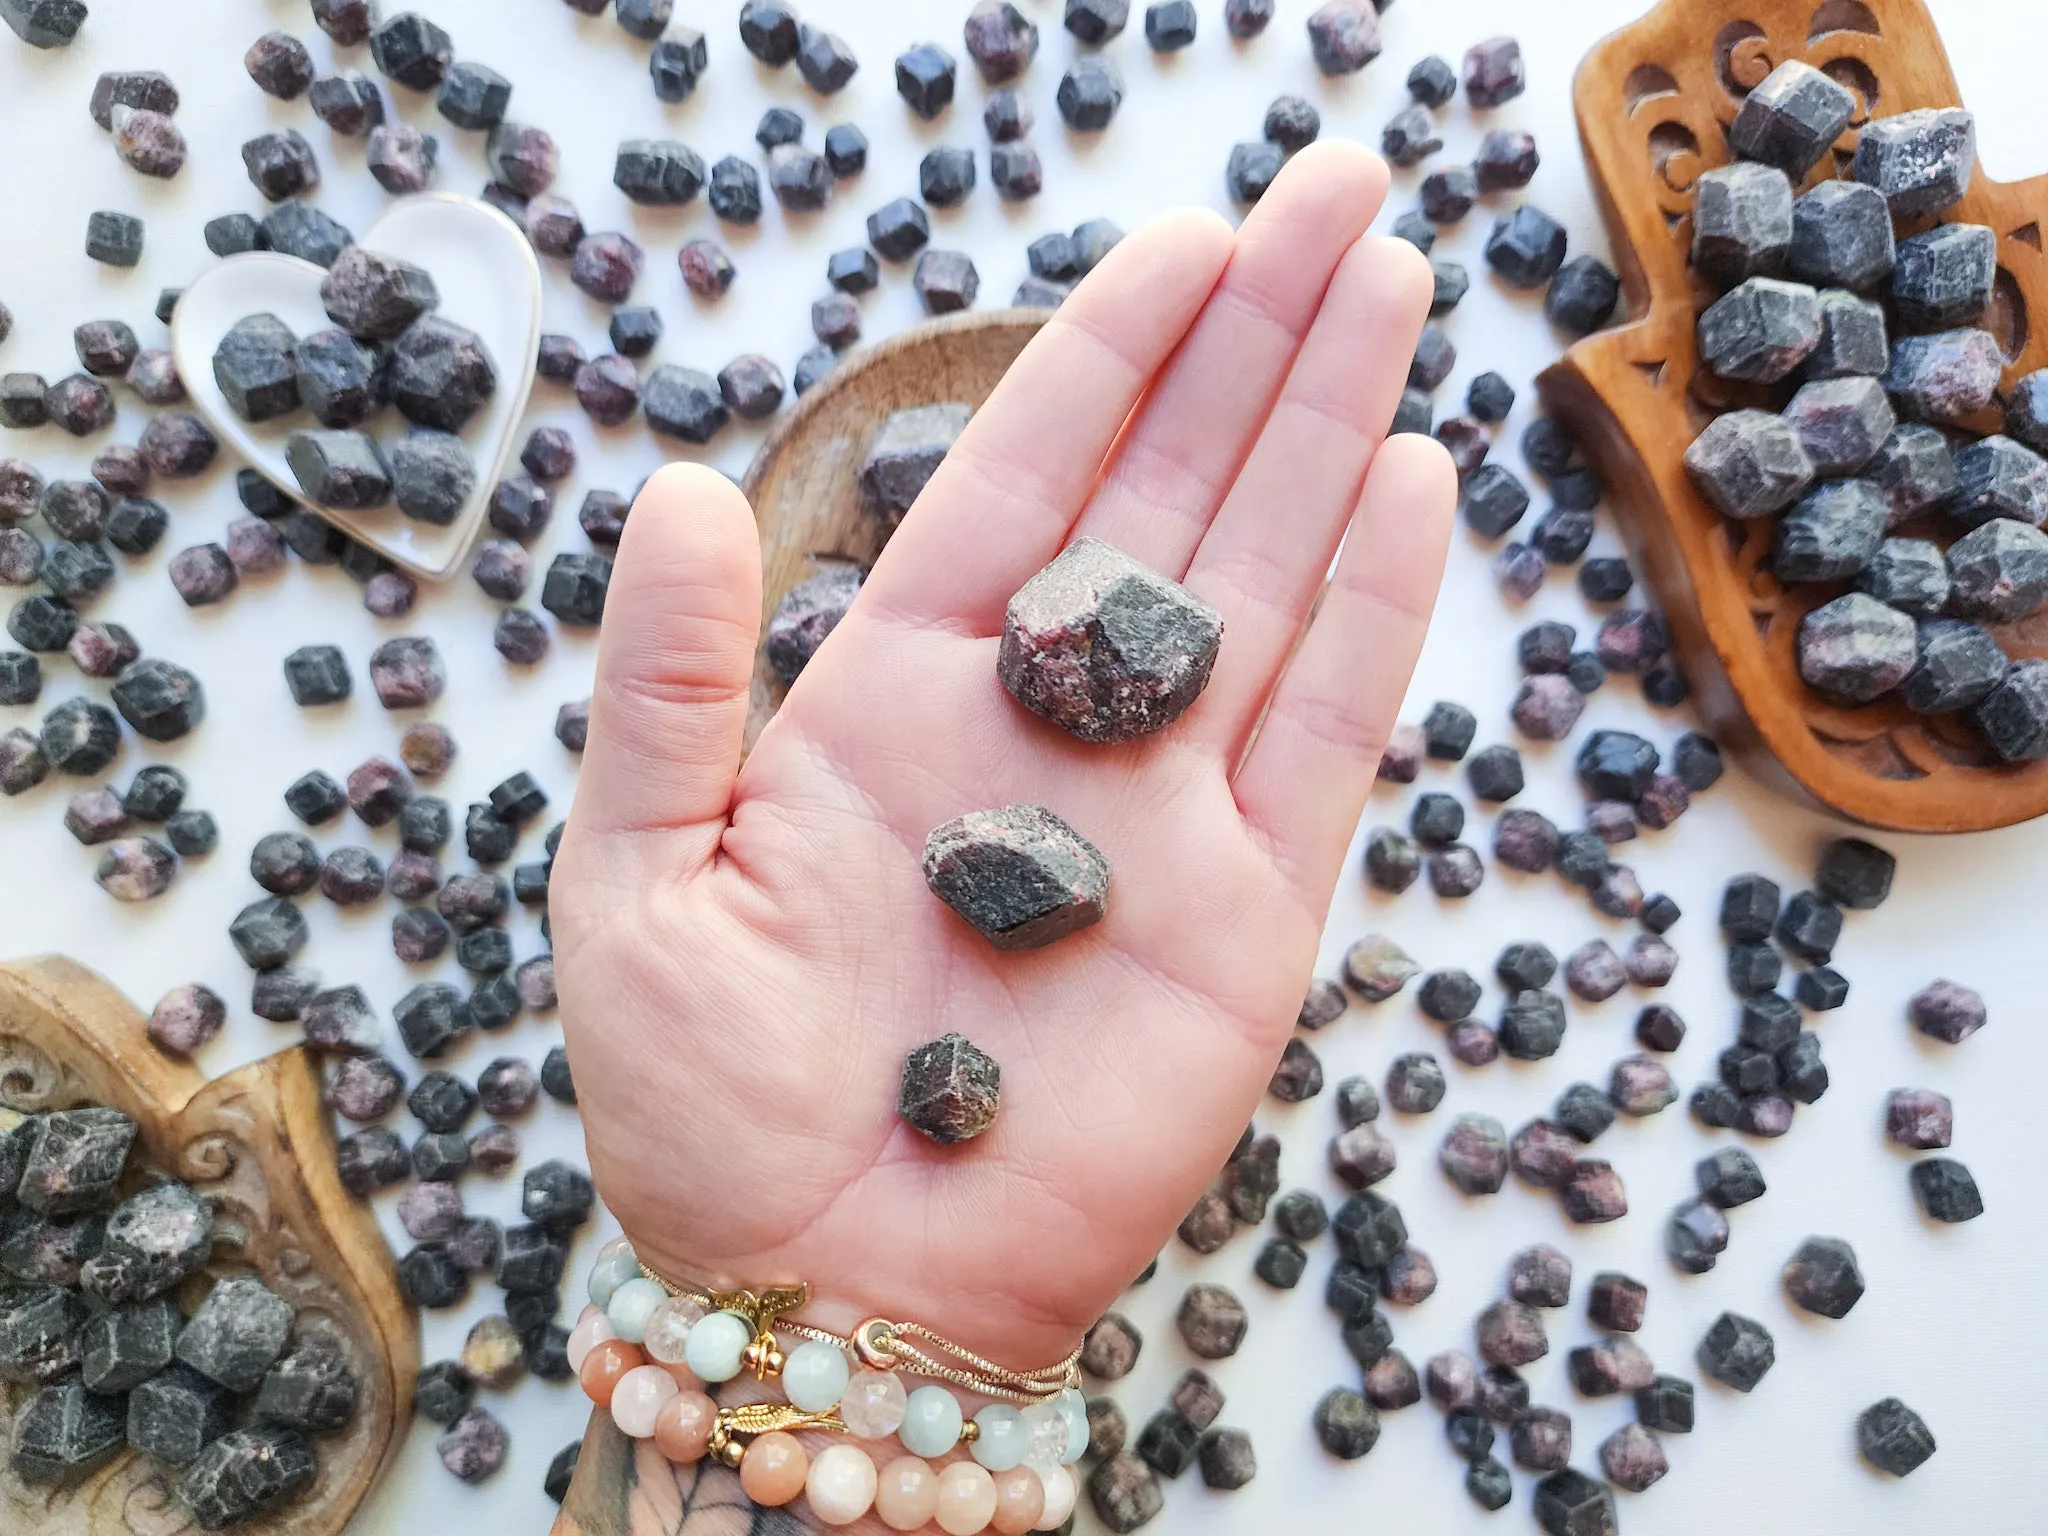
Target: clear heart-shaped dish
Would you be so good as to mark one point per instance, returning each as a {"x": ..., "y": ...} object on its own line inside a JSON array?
[{"x": 489, "y": 282}]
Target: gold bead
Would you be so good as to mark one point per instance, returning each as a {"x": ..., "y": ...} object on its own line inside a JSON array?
[
  {"x": 969, "y": 1432},
  {"x": 732, "y": 1453},
  {"x": 772, "y": 1364}
]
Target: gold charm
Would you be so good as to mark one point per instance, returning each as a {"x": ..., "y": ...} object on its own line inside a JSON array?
[
  {"x": 751, "y": 1419},
  {"x": 763, "y": 1356}
]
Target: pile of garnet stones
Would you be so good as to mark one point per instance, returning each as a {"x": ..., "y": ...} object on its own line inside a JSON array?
[
  {"x": 1862, "y": 361},
  {"x": 100, "y": 1256}
]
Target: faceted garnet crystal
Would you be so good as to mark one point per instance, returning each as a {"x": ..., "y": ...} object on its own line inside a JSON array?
[
  {"x": 155, "y": 1241},
  {"x": 1893, "y": 1438},
  {"x": 1760, "y": 331},
  {"x": 1920, "y": 161},
  {"x": 39, "y": 1325},
  {"x": 1569, "y": 1503},
  {"x": 1855, "y": 650},
  {"x": 951, "y": 1090},
  {"x": 376, "y": 297},
  {"x": 72, "y": 1160},
  {"x": 1737, "y": 1352},
  {"x": 1344, "y": 36},
  {"x": 1750, "y": 464},
  {"x": 1106, "y": 648},
  {"x": 1020, "y": 876},
  {"x": 808, "y": 613},
  {"x": 63, "y": 1432},
  {"x": 245, "y": 1474},
  {"x": 1791, "y": 118},
  {"x": 440, "y": 374},
  {"x": 123, "y": 1347},
  {"x": 1841, "y": 237},
  {"x": 237, "y": 1333},
  {"x": 1744, "y": 222},
  {"x": 254, "y": 368}
]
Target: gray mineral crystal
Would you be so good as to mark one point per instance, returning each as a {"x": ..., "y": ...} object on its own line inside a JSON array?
[
  {"x": 312, "y": 1388},
  {"x": 1910, "y": 575},
  {"x": 432, "y": 476},
  {"x": 1855, "y": 650},
  {"x": 1915, "y": 470},
  {"x": 236, "y": 1334},
  {"x": 75, "y": 1160},
  {"x": 123, "y": 1347},
  {"x": 809, "y": 612},
  {"x": 1893, "y": 1438},
  {"x": 1749, "y": 464},
  {"x": 155, "y": 1241},
  {"x": 1019, "y": 875},
  {"x": 1943, "y": 277},
  {"x": 245, "y": 1474},
  {"x": 39, "y": 1327},
  {"x": 64, "y": 1432},
  {"x": 1853, "y": 340},
  {"x": 1841, "y": 237},
  {"x": 341, "y": 469},
  {"x": 1791, "y": 118},
  {"x": 1998, "y": 573},
  {"x": 951, "y": 1090},
  {"x": 1921, "y": 161},
  {"x": 1760, "y": 331},
  {"x": 440, "y": 374},
  {"x": 1841, "y": 423},
  {"x": 1743, "y": 222},
  {"x": 2014, "y": 715},
  {"x": 376, "y": 297},
  {"x": 1997, "y": 477},
  {"x": 1832, "y": 534},
  {"x": 904, "y": 453},
  {"x": 254, "y": 368},
  {"x": 1945, "y": 377},
  {"x": 177, "y": 1413}
]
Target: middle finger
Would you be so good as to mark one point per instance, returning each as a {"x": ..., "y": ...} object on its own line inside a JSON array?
[{"x": 1183, "y": 447}]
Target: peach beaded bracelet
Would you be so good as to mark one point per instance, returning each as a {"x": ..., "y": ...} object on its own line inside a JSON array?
[{"x": 646, "y": 1347}]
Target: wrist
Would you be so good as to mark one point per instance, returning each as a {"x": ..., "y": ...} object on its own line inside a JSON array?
[{"x": 1010, "y": 1330}]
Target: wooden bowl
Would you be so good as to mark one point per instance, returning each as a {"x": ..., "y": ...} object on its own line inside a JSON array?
[
  {"x": 1653, "y": 104},
  {"x": 256, "y": 1143},
  {"x": 802, "y": 483}
]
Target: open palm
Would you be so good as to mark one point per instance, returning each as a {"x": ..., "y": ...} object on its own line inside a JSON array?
[{"x": 748, "y": 952}]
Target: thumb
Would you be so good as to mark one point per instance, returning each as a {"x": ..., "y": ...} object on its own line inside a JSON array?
[{"x": 668, "y": 716}]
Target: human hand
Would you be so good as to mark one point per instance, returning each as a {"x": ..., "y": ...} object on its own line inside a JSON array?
[{"x": 747, "y": 951}]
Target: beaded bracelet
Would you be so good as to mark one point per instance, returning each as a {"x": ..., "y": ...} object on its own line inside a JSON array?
[{"x": 646, "y": 1348}]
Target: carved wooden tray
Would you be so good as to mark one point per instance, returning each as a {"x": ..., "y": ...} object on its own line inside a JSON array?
[
  {"x": 256, "y": 1143},
  {"x": 1653, "y": 103},
  {"x": 802, "y": 483}
]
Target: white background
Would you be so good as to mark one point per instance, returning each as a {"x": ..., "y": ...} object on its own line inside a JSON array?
[{"x": 1953, "y": 1320}]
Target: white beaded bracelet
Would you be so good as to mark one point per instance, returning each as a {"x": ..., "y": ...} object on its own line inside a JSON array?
[{"x": 646, "y": 1349}]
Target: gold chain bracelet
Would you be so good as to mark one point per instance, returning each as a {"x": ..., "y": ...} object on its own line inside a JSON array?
[{"x": 877, "y": 1343}]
